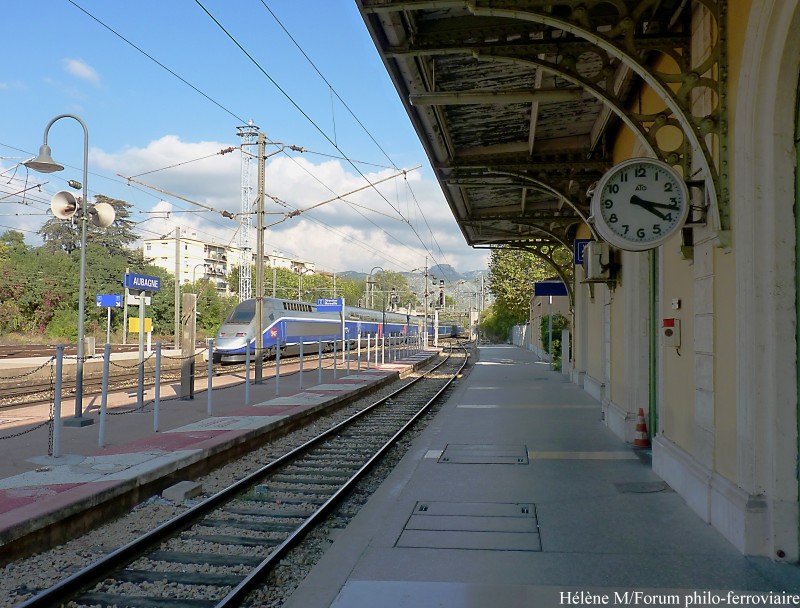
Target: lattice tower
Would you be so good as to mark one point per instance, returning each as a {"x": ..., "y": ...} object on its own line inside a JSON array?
[{"x": 249, "y": 135}]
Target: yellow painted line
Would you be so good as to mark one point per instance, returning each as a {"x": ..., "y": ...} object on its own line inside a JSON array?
[{"x": 582, "y": 455}]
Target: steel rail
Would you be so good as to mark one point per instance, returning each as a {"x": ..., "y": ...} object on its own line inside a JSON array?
[
  {"x": 252, "y": 580},
  {"x": 71, "y": 586}
]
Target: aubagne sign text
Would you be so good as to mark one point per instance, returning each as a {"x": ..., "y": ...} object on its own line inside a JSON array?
[{"x": 142, "y": 282}]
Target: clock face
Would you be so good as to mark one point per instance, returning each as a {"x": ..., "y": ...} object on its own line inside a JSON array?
[{"x": 639, "y": 204}]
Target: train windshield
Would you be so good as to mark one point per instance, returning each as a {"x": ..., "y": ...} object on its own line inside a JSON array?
[{"x": 243, "y": 313}]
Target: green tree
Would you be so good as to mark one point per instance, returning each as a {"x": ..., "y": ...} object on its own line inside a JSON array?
[
  {"x": 512, "y": 274},
  {"x": 65, "y": 235}
]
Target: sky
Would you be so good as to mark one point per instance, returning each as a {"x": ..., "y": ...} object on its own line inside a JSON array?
[{"x": 162, "y": 87}]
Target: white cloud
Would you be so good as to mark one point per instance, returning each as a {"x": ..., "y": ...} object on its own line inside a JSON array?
[
  {"x": 81, "y": 69},
  {"x": 373, "y": 230}
]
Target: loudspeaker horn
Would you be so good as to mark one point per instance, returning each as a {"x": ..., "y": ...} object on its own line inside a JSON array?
[
  {"x": 103, "y": 215},
  {"x": 64, "y": 204}
]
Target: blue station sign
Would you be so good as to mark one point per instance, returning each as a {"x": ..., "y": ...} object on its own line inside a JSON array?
[
  {"x": 329, "y": 305},
  {"x": 109, "y": 300},
  {"x": 549, "y": 288},
  {"x": 580, "y": 245},
  {"x": 141, "y": 282}
]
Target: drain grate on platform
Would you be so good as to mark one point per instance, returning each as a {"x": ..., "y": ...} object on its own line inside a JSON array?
[
  {"x": 470, "y": 525},
  {"x": 484, "y": 454}
]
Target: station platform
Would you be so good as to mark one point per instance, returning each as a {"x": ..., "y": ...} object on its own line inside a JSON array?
[
  {"x": 518, "y": 496},
  {"x": 47, "y": 495}
]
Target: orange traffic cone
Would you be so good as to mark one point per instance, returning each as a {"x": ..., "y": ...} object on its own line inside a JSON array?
[{"x": 640, "y": 439}]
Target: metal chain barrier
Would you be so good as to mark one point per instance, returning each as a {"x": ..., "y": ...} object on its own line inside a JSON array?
[
  {"x": 134, "y": 366},
  {"x": 181, "y": 358},
  {"x": 50, "y": 420},
  {"x": 31, "y": 372}
]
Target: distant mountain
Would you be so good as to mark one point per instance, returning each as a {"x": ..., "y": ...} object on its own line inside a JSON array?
[{"x": 446, "y": 272}]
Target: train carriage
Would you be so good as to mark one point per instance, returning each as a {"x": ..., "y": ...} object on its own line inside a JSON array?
[{"x": 285, "y": 321}]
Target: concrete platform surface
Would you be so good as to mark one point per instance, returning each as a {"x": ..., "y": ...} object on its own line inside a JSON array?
[{"x": 518, "y": 496}]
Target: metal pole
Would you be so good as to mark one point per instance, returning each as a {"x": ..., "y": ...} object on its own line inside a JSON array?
[
  {"x": 57, "y": 401},
  {"x": 140, "y": 389},
  {"x": 278, "y": 361},
  {"x": 358, "y": 351},
  {"x": 82, "y": 287},
  {"x": 247, "y": 375},
  {"x": 334, "y": 359},
  {"x": 347, "y": 346},
  {"x": 210, "y": 373},
  {"x": 101, "y": 433},
  {"x": 367, "y": 351},
  {"x": 262, "y": 142},
  {"x": 550, "y": 331},
  {"x": 108, "y": 326},
  {"x": 301, "y": 361},
  {"x": 319, "y": 362},
  {"x": 157, "y": 390},
  {"x": 125, "y": 313},
  {"x": 177, "y": 287}
]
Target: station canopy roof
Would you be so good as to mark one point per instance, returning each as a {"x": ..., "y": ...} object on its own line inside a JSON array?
[{"x": 517, "y": 102}]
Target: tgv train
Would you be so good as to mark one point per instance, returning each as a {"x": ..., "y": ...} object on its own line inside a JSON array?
[{"x": 289, "y": 322}]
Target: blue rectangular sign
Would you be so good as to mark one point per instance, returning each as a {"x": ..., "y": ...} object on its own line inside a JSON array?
[
  {"x": 141, "y": 282},
  {"x": 580, "y": 245},
  {"x": 549, "y": 288},
  {"x": 108, "y": 299},
  {"x": 329, "y": 305}
]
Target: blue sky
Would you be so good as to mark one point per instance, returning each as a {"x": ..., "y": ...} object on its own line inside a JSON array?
[{"x": 142, "y": 118}]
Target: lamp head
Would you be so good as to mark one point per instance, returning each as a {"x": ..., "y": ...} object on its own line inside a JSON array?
[{"x": 44, "y": 163}]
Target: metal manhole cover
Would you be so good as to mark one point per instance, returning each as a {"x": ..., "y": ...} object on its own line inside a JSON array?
[
  {"x": 484, "y": 454},
  {"x": 470, "y": 525}
]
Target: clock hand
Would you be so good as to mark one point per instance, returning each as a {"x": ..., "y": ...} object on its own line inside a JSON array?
[
  {"x": 647, "y": 206},
  {"x": 670, "y": 207}
]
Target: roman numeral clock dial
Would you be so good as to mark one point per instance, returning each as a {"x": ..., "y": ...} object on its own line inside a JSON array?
[{"x": 639, "y": 204}]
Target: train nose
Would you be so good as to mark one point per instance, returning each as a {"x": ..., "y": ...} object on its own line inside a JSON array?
[{"x": 224, "y": 342}]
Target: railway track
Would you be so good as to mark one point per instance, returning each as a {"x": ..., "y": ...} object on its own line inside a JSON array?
[{"x": 221, "y": 549}]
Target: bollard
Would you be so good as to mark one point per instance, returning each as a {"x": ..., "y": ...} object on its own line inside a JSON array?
[
  {"x": 301, "y": 362},
  {"x": 319, "y": 362},
  {"x": 210, "y": 373},
  {"x": 277, "y": 368},
  {"x": 247, "y": 375},
  {"x": 157, "y": 390},
  {"x": 367, "y": 351},
  {"x": 383, "y": 351},
  {"x": 101, "y": 431},
  {"x": 57, "y": 402},
  {"x": 358, "y": 352}
]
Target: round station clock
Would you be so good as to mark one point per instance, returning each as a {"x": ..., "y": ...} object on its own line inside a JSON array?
[{"x": 639, "y": 204}]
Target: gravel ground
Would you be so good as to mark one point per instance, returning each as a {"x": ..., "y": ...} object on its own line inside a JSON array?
[{"x": 20, "y": 580}]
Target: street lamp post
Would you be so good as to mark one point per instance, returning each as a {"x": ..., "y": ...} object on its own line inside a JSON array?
[
  {"x": 44, "y": 163},
  {"x": 371, "y": 287},
  {"x": 194, "y": 270}
]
